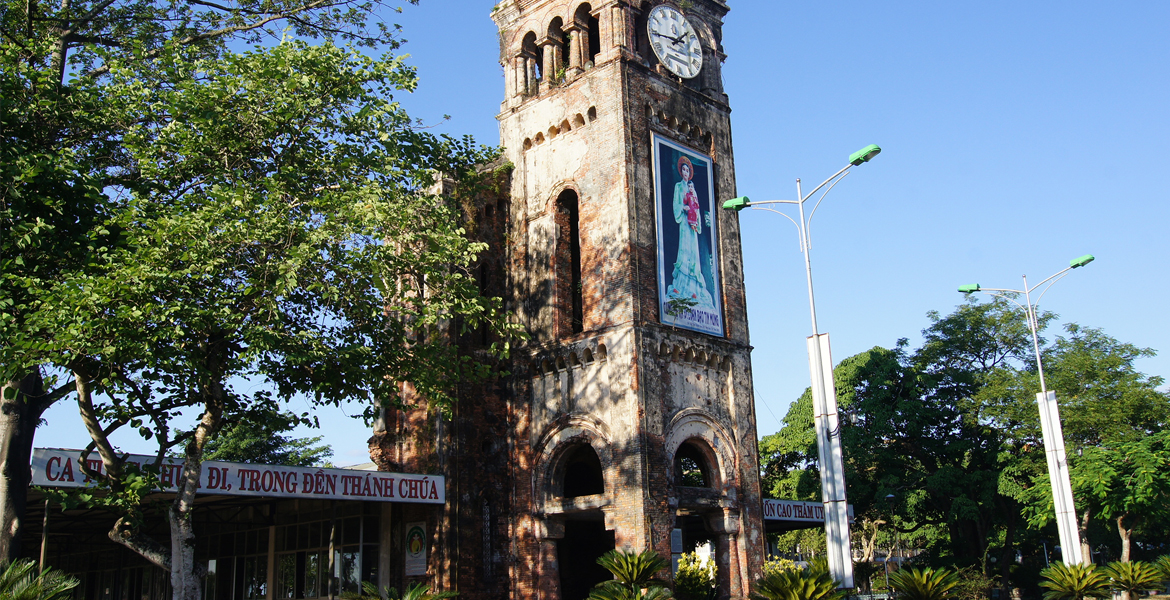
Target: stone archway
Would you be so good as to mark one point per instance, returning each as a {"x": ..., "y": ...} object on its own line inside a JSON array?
[
  {"x": 704, "y": 477},
  {"x": 573, "y": 480}
]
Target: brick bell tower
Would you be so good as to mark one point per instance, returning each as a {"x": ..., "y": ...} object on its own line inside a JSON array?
[
  {"x": 631, "y": 407},
  {"x": 627, "y": 419}
]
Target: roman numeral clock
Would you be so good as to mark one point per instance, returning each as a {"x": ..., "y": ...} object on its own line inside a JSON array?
[{"x": 674, "y": 41}]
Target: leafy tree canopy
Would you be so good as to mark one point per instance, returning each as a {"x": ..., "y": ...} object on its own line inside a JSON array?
[{"x": 263, "y": 442}]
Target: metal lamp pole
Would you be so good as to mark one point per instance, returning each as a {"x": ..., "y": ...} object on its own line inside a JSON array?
[
  {"x": 821, "y": 372},
  {"x": 1053, "y": 434}
]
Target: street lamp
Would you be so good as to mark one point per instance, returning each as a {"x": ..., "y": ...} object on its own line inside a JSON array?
[
  {"x": 821, "y": 372},
  {"x": 1062, "y": 498}
]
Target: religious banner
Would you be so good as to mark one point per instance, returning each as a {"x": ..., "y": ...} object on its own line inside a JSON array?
[
  {"x": 689, "y": 290},
  {"x": 61, "y": 468},
  {"x": 416, "y": 549}
]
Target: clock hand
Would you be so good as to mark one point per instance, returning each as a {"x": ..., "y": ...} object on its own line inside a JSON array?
[{"x": 673, "y": 40}]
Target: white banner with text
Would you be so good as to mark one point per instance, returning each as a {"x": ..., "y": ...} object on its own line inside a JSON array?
[
  {"x": 61, "y": 468},
  {"x": 796, "y": 510}
]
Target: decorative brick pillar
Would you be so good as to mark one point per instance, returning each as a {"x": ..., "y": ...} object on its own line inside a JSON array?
[
  {"x": 549, "y": 530},
  {"x": 725, "y": 526}
]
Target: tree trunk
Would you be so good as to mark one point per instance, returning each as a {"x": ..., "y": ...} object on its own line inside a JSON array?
[
  {"x": 1007, "y": 557},
  {"x": 870, "y": 541},
  {"x": 1083, "y": 529},
  {"x": 186, "y": 574},
  {"x": 19, "y": 414},
  {"x": 1125, "y": 536}
]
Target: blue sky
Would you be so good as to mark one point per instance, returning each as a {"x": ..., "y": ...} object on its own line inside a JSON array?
[{"x": 1015, "y": 136}]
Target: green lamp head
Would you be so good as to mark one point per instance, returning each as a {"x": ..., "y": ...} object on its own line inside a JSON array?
[
  {"x": 967, "y": 289},
  {"x": 864, "y": 155},
  {"x": 1082, "y": 261},
  {"x": 737, "y": 204}
]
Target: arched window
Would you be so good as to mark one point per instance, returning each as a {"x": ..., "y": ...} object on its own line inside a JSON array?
[
  {"x": 582, "y": 474},
  {"x": 592, "y": 28},
  {"x": 691, "y": 468},
  {"x": 531, "y": 56},
  {"x": 571, "y": 313},
  {"x": 559, "y": 47}
]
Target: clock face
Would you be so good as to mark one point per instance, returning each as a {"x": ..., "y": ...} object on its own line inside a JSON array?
[{"x": 674, "y": 41}]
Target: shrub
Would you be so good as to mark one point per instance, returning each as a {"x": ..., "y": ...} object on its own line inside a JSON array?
[
  {"x": 974, "y": 584},
  {"x": 633, "y": 577},
  {"x": 778, "y": 565},
  {"x": 20, "y": 581},
  {"x": 695, "y": 579},
  {"x": 1073, "y": 582},
  {"x": 414, "y": 591},
  {"x": 1162, "y": 564},
  {"x": 1130, "y": 577},
  {"x": 813, "y": 583},
  {"x": 925, "y": 584}
]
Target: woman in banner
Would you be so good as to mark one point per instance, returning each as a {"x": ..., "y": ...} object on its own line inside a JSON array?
[{"x": 688, "y": 283}]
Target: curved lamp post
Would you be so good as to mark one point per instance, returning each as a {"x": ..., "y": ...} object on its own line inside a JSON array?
[
  {"x": 821, "y": 372},
  {"x": 1062, "y": 498}
]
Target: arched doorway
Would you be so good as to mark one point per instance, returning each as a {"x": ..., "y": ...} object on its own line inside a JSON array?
[{"x": 579, "y": 475}]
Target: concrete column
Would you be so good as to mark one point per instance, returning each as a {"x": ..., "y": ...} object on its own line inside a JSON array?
[
  {"x": 584, "y": 43},
  {"x": 552, "y": 62},
  {"x": 519, "y": 76},
  {"x": 547, "y": 70},
  {"x": 530, "y": 81},
  {"x": 576, "y": 53}
]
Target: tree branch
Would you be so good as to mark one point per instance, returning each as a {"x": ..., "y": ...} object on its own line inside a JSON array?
[
  {"x": 100, "y": 437},
  {"x": 220, "y": 32},
  {"x": 224, "y": 8},
  {"x": 150, "y": 549},
  {"x": 42, "y": 403},
  {"x": 74, "y": 38}
]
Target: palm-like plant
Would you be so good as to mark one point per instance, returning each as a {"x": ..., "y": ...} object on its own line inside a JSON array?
[
  {"x": 1162, "y": 564},
  {"x": 414, "y": 591},
  {"x": 1135, "y": 576},
  {"x": 813, "y": 583},
  {"x": 20, "y": 581},
  {"x": 924, "y": 584},
  {"x": 633, "y": 577},
  {"x": 1073, "y": 582}
]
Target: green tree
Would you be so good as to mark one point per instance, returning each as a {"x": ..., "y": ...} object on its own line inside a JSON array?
[
  {"x": 61, "y": 151},
  {"x": 1128, "y": 484},
  {"x": 908, "y": 443},
  {"x": 55, "y": 145},
  {"x": 1114, "y": 414},
  {"x": 289, "y": 234},
  {"x": 260, "y": 440}
]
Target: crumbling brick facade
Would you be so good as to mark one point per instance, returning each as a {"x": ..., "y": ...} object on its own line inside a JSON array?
[{"x": 579, "y": 448}]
